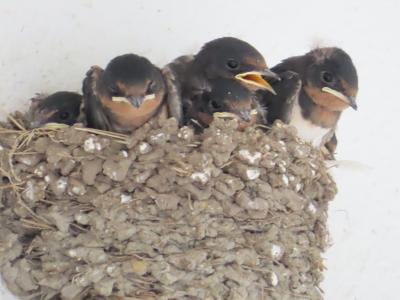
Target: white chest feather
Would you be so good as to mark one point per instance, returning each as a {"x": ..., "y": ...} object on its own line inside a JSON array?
[{"x": 307, "y": 130}]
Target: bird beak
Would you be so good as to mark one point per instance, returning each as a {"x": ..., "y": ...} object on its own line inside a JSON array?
[
  {"x": 256, "y": 78},
  {"x": 135, "y": 101},
  {"x": 349, "y": 100},
  {"x": 149, "y": 97},
  {"x": 243, "y": 115},
  {"x": 120, "y": 99},
  {"x": 353, "y": 103}
]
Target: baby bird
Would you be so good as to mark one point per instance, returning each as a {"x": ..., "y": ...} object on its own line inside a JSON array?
[
  {"x": 329, "y": 86},
  {"x": 280, "y": 106},
  {"x": 222, "y": 58},
  {"x": 61, "y": 107},
  {"x": 226, "y": 97},
  {"x": 124, "y": 96}
]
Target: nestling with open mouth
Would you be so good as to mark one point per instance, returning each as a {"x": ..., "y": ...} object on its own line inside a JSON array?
[{"x": 222, "y": 58}]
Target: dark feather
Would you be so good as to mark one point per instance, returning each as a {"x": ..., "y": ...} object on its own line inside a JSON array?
[
  {"x": 93, "y": 109},
  {"x": 280, "y": 106},
  {"x": 174, "y": 74}
]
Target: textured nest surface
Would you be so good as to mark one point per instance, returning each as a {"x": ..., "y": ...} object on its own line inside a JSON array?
[{"x": 162, "y": 214}]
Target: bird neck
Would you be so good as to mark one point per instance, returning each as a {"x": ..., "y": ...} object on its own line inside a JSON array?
[{"x": 318, "y": 114}]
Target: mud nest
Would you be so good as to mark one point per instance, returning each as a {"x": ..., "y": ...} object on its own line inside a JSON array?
[{"x": 162, "y": 214}]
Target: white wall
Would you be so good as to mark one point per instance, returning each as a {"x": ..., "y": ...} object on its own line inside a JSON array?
[{"x": 48, "y": 45}]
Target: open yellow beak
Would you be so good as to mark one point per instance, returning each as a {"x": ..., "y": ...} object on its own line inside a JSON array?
[{"x": 255, "y": 78}]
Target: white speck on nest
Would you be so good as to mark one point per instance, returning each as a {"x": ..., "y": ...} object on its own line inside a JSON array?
[
  {"x": 276, "y": 251},
  {"x": 90, "y": 145},
  {"x": 248, "y": 157},
  {"x": 298, "y": 187},
  {"x": 39, "y": 171},
  {"x": 144, "y": 148},
  {"x": 296, "y": 251},
  {"x": 29, "y": 191},
  {"x": 283, "y": 144},
  {"x": 299, "y": 151},
  {"x": 62, "y": 183},
  {"x": 26, "y": 161},
  {"x": 285, "y": 179},
  {"x": 78, "y": 190},
  {"x": 273, "y": 279},
  {"x": 124, "y": 153},
  {"x": 267, "y": 147},
  {"x": 72, "y": 253},
  {"x": 114, "y": 175},
  {"x": 82, "y": 218},
  {"x": 110, "y": 269},
  {"x": 291, "y": 178},
  {"x": 311, "y": 208},
  {"x": 185, "y": 133},
  {"x": 125, "y": 198},
  {"x": 282, "y": 168},
  {"x": 142, "y": 177},
  {"x": 157, "y": 137},
  {"x": 46, "y": 178},
  {"x": 1, "y": 148},
  {"x": 201, "y": 177},
  {"x": 252, "y": 174}
]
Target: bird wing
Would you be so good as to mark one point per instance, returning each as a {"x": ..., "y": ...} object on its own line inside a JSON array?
[
  {"x": 330, "y": 144},
  {"x": 294, "y": 63},
  {"x": 92, "y": 108},
  {"x": 174, "y": 75},
  {"x": 280, "y": 106}
]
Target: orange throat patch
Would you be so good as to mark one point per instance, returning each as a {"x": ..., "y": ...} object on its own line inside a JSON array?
[
  {"x": 328, "y": 108},
  {"x": 133, "y": 117},
  {"x": 326, "y": 100}
]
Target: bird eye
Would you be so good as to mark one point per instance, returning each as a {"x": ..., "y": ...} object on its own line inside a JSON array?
[
  {"x": 255, "y": 98},
  {"x": 113, "y": 90},
  {"x": 327, "y": 77},
  {"x": 64, "y": 115},
  {"x": 150, "y": 88},
  {"x": 232, "y": 64},
  {"x": 215, "y": 106}
]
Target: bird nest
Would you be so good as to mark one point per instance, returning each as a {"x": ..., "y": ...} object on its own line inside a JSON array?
[{"x": 163, "y": 213}]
